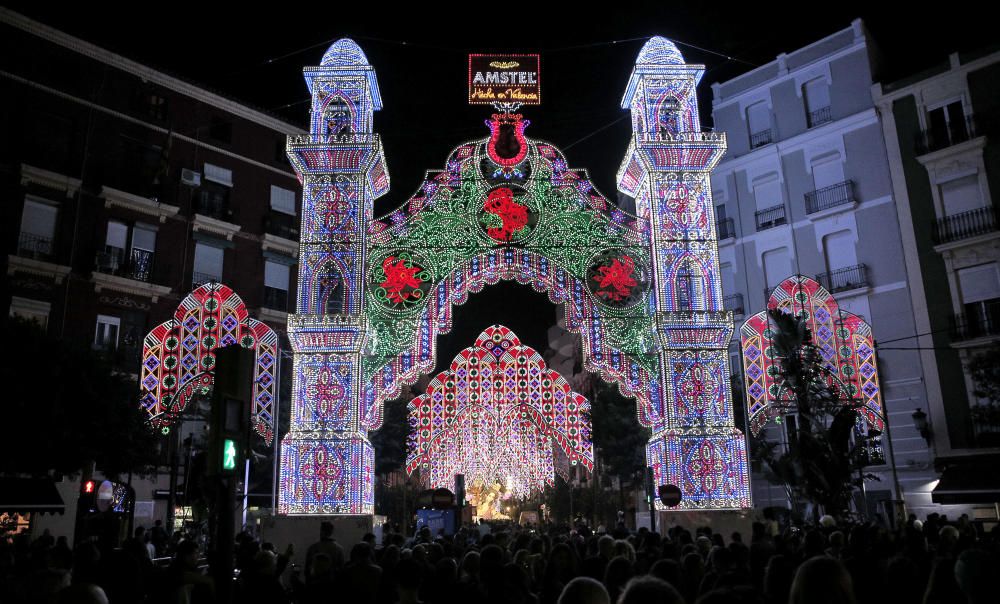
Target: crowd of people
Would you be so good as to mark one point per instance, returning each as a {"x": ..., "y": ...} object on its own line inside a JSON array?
[{"x": 935, "y": 561}]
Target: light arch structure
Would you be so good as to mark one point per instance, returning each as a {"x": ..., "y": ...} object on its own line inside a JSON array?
[
  {"x": 178, "y": 356},
  {"x": 643, "y": 290},
  {"x": 845, "y": 344},
  {"x": 498, "y": 415}
]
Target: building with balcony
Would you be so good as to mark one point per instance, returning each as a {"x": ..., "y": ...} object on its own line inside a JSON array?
[
  {"x": 806, "y": 183},
  {"x": 941, "y": 138},
  {"x": 126, "y": 188}
]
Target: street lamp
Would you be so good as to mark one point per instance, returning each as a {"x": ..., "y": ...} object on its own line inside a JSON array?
[{"x": 922, "y": 425}]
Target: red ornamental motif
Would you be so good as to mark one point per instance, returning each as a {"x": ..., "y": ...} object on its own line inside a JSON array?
[
  {"x": 328, "y": 394},
  {"x": 513, "y": 215},
  {"x": 321, "y": 471},
  {"x": 401, "y": 281},
  {"x": 615, "y": 282}
]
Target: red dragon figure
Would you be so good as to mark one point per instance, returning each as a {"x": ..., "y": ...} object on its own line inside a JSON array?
[
  {"x": 615, "y": 282},
  {"x": 513, "y": 215},
  {"x": 401, "y": 282}
]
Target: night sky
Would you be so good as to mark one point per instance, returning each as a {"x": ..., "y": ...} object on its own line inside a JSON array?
[{"x": 420, "y": 54}]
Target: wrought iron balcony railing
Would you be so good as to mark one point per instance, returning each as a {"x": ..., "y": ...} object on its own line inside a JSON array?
[
  {"x": 725, "y": 229},
  {"x": 935, "y": 139},
  {"x": 759, "y": 139},
  {"x": 769, "y": 218},
  {"x": 843, "y": 279},
  {"x": 829, "y": 197},
  {"x": 137, "y": 264},
  {"x": 34, "y": 246},
  {"x": 819, "y": 117},
  {"x": 980, "y": 321},
  {"x": 734, "y": 303},
  {"x": 199, "y": 279},
  {"x": 967, "y": 224},
  {"x": 276, "y": 299}
]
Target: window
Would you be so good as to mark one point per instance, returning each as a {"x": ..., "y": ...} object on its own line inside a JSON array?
[
  {"x": 213, "y": 197},
  {"x": 115, "y": 242},
  {"x": 38, "y": 228},
  {"x": 30, "y": 310},
  {"x": 106, "y": 334},
  {"x": 139, "y": 167},
  {"x": 669, "y": 117},
  {"x": 961, "y": 195},
  {"x": 207, "y": 263},
  {"x": 777, "y": 267},
  {"x": 220, "y": 130},
  {"x": 843, "y": 271},
  {"x": 767, "y": 192},
  {"x": 218, "y": 174},
  {"x": 827, "y": 171},
  {"x": 276, "y": 277},
  {"x": 840, "y": 250},
  {"x": 120, "y": 258},
  {"x": 759, "y": 123},
  {"x": 816, "y": 94},
  {"x": 282, "y": 200},
  {"x": 685, "y": 293},
  {"x": 980, "y": 293},
  {"x": 338, "y": 117},
  {"x": 947, "y": 125},
  {"x": 720, "y": 212}
]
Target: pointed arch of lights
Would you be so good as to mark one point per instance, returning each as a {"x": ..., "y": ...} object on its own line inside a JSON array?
[
  {"x": 845, "y": 344},
  {"x": 178, "y": 356},
  {"x": 498, "y": 415}
]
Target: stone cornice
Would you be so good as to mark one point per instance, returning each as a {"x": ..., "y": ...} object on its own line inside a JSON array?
[
  {"x": 104, "y": 281},
  {"x": 206, "y": 224},
  {"x": 137, "y": 203},
  {"x": 51, "y": 180},
  {"x": 17, "y": 264},
  {"x": 280, "y": 244}
]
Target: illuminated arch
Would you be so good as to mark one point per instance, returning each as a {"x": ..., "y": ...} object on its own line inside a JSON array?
[
  {"x": 844, "y": 341},
  {"x": 178, "y": 356},
  {"x": 497, "y": 415}
]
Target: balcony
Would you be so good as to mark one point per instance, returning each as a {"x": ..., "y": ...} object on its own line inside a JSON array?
[
  {"x": 839, "y": 194},
  {"x": 769, "y": 218},
  {"x": 35, "y": 247},
  {"x": 282, "y": 225},
  {"x": 725, "y": 229},
  {"x": 819, "y": 117},
  {"x": 935, "y": 139},
  {"x": 759, "y": 139},
  {"x": 276, "y": 299},
  {"x": 136, "y": 265},
  {"x": 734, "y": 303},
  {"x": 843, "y": 279},
  {"x": 965, "y": 225},
  {"x": 980, "y": 320},
  {"x": 199, "y": 279}
]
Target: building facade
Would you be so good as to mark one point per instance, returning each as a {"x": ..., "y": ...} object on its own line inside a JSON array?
[
  {"x": 126, "y": 189},
  {"x": 805, "y": 190},
  {"x": 940, "y": 135}
]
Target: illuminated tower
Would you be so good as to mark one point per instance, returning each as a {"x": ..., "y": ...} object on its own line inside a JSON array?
[
  {"x": 326, "y": 459},
  {"x": 695, "y": 446}
]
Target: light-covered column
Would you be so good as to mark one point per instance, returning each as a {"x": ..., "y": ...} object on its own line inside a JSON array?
[
  {"x": 695, "y": 446},
  {"x": 326, "y": 458}
]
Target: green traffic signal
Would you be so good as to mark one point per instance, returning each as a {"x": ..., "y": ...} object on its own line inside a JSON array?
[{"x": 229, "y": 454}]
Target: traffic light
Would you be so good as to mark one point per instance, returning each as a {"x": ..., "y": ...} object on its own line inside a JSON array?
[
  {"x": 231, "y": 394},
  {"x": 87, "y": 502},
  {"x": 228, "y": 455}
]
